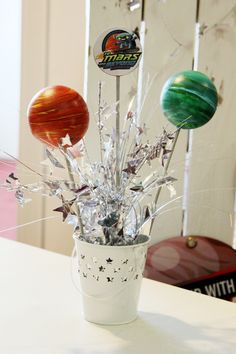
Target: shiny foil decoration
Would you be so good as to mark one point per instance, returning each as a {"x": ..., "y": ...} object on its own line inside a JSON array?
[
  {"x": 55, "y": 112},
  {"x": 99, "y": 212}
]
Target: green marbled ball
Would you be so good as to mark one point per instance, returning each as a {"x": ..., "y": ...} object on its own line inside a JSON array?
[{"x": 189, "y": 99}]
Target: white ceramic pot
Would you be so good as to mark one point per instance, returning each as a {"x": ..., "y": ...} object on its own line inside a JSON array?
[{"x": 110, "y": 280}]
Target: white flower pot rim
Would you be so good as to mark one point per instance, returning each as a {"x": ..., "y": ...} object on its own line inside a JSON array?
[{"x": 115, "y": 246}]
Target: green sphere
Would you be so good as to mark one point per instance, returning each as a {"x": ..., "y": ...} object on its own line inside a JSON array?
[{"x": 189, "y": 99}]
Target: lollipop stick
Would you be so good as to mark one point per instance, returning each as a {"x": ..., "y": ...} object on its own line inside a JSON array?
[
  {"x": 189, "y": 144},
  {"x": 141, "y": 65},
  {"x": 117, "y": 132}
]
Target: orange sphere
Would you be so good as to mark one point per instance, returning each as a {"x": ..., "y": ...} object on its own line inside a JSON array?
[{"x": 55, "y": 112}]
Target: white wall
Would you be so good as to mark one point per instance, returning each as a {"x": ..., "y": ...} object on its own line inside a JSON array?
[
  {"x": 53, "y": 51},
  {"x": 10, "y": 41}
]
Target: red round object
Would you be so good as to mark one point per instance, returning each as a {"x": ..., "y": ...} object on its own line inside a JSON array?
[
  {"x": 55, "y": 112},
  {"x": 171, "y": 261}
]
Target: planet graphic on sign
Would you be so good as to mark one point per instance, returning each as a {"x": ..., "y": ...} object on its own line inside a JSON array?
[
  {"x": 55, "y": 112},
  {"x": 189, "y": 99}
]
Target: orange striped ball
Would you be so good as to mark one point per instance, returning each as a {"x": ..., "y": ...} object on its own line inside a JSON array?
[{"x": 55, "y": 112}]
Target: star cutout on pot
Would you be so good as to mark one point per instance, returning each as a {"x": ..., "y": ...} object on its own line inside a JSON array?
[
  {"x": 109, "y": 279},
  {"x": 109, "y": 260},
  {"x": 116, "y": 270},
  {"x": 101, "y": 269}
]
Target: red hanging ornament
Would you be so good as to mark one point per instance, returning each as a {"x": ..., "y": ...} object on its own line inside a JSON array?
[{"x": 55, "y": 112}]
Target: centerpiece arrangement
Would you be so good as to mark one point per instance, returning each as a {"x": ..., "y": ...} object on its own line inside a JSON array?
[{"x": 106, "y": 200}]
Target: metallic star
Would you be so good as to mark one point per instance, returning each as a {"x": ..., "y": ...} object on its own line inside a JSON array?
[{"x": 65, "y": 209}]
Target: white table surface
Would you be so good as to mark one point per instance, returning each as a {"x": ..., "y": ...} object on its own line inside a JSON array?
[{"x": 40, "y": 313}]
